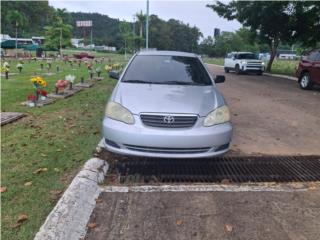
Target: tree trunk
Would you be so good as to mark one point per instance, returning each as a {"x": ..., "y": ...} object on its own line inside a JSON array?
[
  {"x": 273, "y": 52},
  {"x": 141, "y": 30}
]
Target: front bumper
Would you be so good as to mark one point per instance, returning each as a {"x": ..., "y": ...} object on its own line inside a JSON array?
[
  {"x": 248, "y": 68},
  {"x": 141, "y": 140}
]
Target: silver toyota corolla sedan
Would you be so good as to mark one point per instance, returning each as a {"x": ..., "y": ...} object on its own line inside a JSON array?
[{"x": 166, "y": 104}]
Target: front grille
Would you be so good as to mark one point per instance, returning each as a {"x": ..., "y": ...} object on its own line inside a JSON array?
[
  {"x": 168, "y": 121},
  {"x": 166, "y": 150}
]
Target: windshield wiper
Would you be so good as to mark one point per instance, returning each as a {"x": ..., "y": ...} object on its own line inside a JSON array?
[
  {"x": 136, "y": 81},
  {"x": 182, "y": 83}
]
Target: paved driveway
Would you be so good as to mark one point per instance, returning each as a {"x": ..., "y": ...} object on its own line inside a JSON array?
[{"x": 271, "y": 115}]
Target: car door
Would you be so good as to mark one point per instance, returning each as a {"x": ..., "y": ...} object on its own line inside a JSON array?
[
  {"x": 232, "y": 61},
  {"x": 315, "y": 71},
  {"x": 227, "y": 60}
]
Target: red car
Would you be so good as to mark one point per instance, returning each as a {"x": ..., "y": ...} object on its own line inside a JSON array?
[
  {"x": 308, "y": 71},
  {"x": 83, "y": 55}
]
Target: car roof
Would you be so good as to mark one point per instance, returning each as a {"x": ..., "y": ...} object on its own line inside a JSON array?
[{"x": 166, "y": 53}]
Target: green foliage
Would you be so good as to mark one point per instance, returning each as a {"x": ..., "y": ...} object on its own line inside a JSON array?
[
  {"x": 54, "y": 32},
  {"x": 35, "y": 16},
  {"x": 173, "y": 35},
  {"x": 241, "y": 40}
]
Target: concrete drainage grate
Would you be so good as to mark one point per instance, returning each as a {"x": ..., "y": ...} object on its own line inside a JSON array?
[{"x": 220, "y": 169}]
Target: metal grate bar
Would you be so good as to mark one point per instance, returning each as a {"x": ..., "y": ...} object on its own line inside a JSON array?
[{"x": 233, "y": 169}]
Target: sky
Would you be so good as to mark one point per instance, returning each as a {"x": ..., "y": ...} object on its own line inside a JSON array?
[{"x": 193, "y": 12}]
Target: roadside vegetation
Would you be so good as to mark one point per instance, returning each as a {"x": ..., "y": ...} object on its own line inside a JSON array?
[
  {"x": 42, "y": 152},
  {"x": 282, "y": 67}
]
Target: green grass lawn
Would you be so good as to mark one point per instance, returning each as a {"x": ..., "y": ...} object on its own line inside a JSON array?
[
  {"x": 59, "y": 137},
  {"x": 283, "y": 67}
]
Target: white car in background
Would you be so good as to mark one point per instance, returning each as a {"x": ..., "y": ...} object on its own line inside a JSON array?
[{"x": 243, "y": 62}]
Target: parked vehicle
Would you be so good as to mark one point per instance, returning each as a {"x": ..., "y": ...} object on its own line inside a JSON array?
[
  {"x": 243, "y": 62},
  {"x": 308, "y": 71},
  {"x": 166, "y": 104},
  {"x": 82, "y": 55}
]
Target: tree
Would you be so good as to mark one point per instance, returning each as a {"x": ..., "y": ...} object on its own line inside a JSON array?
[
  {"x": 17, "y": 19},
  {"x": 275, "y": 21},
  {"x": 141, "y": 20},
  {"x": 36, "y": 15},
  {"x": 58, "y": 34}
]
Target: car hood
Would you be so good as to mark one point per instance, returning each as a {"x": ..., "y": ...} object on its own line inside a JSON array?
[{"x": 159, "y": 98}]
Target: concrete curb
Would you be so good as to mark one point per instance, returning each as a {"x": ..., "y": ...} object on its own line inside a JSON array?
[
  {"x": 265, "y": 74},
  {"x": 281, "y": 76},
  {"x": 70, "y": 216}
]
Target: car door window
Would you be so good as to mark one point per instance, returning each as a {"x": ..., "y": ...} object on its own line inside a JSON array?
[{"x": 313, "y": 56}]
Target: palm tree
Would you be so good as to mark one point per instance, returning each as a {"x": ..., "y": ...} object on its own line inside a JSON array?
[
  {"x": 17, "y": 19},
  {"x": 141, "y": 19}
]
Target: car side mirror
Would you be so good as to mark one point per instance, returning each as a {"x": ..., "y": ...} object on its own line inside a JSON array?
[
  {"x": 234, "y": 58},
  {"x": 114, "y": 75},
  {"x": 220, "y": 79}
]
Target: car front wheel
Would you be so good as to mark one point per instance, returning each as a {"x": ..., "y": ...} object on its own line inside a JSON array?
[
  {"x": 226, "y": 70},
  {"x": 305, "y": 81},
  {"x": 237, "y": 69}
]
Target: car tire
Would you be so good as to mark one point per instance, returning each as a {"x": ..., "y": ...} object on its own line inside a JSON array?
[
  {"x": 237, "y": 69},
  {"x": 305, "y": 81},
  {"x": 226, "y": 70}
]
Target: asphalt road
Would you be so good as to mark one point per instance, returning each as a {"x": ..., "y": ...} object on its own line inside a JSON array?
[{"x": 271, "y": 115}]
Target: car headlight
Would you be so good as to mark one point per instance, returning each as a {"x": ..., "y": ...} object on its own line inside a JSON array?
[
  {"x": 117, "y": 112},
  {"x": 243, "y": 62},
  {"x": 217, "y": 116},
  {"x": 262, "y": 63}
]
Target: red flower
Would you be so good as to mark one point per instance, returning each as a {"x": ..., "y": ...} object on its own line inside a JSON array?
[
  {"x": 32, "y": 98},
  {"x": 42, "y": 92}
]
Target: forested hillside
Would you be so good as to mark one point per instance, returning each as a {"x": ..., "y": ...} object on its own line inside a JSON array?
[{"x": 164, "y": 35}]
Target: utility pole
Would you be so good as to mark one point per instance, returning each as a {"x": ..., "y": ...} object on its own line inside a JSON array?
[{"x": 147, "y": 26}]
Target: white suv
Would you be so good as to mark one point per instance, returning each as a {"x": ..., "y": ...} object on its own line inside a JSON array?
[{"x": 243, "y": 62}]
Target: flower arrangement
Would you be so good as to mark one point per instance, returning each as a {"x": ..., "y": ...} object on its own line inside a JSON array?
[
  {"x": 42, "y": 92},
  {"x": 5, "y": 69},
  {"x": 19, "y": 67},
  {"x": 108, "y": 68},
  {"x": 98, "y": 71},
  {"x": 38, "y": 82},
  {"x": 6, "y": 64},
  {"x": 89, "y": 66},
  {"x": 70, "y": 78},
  {"x": 61, "y": 85},
  {"x": 32, "y": 99},
  {"x": 116, "y": 65}
]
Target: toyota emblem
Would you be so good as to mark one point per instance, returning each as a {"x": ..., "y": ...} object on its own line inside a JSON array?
[{"x": 168, "y": 119}]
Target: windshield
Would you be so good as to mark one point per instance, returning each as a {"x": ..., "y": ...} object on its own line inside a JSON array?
[
  {"x": 247, "y": 56},
  {"x": 175, "y": 70}
]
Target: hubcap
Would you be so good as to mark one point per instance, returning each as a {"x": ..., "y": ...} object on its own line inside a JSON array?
[{"x": 304, "y": 81}]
